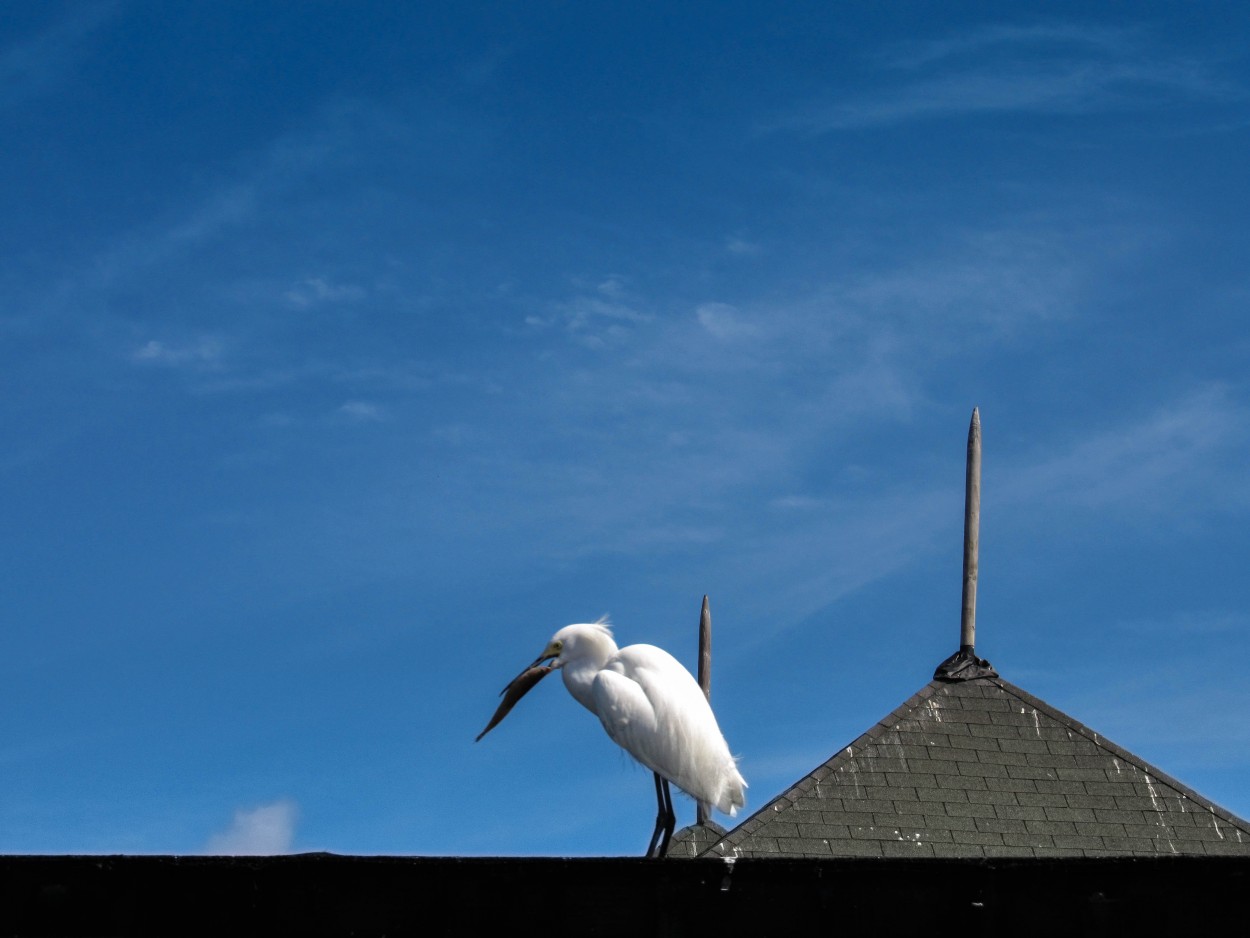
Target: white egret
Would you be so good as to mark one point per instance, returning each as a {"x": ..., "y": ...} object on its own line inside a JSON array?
[{"x": 651, "y": 707}]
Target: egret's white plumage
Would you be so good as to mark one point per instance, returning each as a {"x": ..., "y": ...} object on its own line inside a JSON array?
[{"x": 652, "y": 708}]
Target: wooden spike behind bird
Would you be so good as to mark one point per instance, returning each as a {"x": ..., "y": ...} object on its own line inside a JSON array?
[{"x": 705, "y": 678}]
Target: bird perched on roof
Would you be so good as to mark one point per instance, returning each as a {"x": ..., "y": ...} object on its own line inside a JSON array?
[{"x": 651, "y": 707}]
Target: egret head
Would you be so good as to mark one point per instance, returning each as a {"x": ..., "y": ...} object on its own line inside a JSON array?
[
  {"x": 553, "y": 652},
  {"x": 591, "y": 640},
  {"x": 581, "y": 643}
]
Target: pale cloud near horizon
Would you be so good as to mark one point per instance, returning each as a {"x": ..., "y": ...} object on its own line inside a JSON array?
[{"x": 267, "y": 830}]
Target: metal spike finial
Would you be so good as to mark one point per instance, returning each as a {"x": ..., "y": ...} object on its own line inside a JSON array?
[
  {"x": 972, "y": 534},
  {"x": 964, "y": 665}
]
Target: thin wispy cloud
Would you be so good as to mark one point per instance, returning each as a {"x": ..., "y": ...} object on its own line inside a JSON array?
[
  {"x": 596, "y": 320},
  {"x": 723, "y": 321},
  {"x": 1177, "y": 458},
  {"x": 742, "y": 246},
  {"x": 982, "y": 41},
  {"x": 871, "y": 340},
  {"x": 360, "y": 412},
  {"x": 1160, "y": 462},
  {"x": 1004, "y": 71},
  {"x": 318, "y": 290},
  {"x": 198, "y": 353},
  {"x": 866, "y": 347},
  {"x": 249, "y": 201},
  {"x": 37, "y": 65},
  {"x": 267, "y": 830},
  {"x": 1191, "y": 622},
  {"x": 1005, "y": 279}
]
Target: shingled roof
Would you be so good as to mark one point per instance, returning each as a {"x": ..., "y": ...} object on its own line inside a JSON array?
[
  {"x": 979, "y": 768},
  {"x": 973, "y": 766}
]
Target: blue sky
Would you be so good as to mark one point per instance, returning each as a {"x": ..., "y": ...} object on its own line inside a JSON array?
[{"x": 348, "y": 350}]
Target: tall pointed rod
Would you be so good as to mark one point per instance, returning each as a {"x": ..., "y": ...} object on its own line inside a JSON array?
[
  {"x": 964, "y": 665},
  {"x": 705, "y": 676},
  {"x": 972, "y": 535}
]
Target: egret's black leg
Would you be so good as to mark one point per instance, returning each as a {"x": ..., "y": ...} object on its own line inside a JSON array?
[
  {"x": 670, "y": 820},
  {"x": 665, "y": 819}
]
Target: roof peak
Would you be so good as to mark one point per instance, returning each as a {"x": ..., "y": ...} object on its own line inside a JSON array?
[{"x": 981, "y": 768}]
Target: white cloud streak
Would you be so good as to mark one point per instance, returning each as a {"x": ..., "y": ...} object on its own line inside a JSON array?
[
  {"x": 600, "y": 319},
  {"x": 724, "y": 322},
  {"x": 318, "y": 290},
  {"x": 199, "y": 353},
  {"x": 1159, "y": 463},
  {"x": 1000, "y": 71},
  {"x": 361, "y": 412}
]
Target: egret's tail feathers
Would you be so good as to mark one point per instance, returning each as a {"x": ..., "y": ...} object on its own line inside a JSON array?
[{"x": 732, "y": 795}]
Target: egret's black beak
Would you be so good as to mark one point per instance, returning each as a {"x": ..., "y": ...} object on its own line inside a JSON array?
[{"x": 545, "y": 656}]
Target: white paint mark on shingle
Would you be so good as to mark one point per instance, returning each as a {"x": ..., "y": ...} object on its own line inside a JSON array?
[
  {"x": 893, "y": 748},
  {"x": 1216, "y": 825},
  {"x": 1154, "y": 798},
  {"x": 1037, "y": 724},
  {"x": 1117, "y": 764},
  {"x": 934, "y": 709}
]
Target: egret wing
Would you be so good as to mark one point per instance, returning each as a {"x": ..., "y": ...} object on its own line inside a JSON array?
[
  {"x": 628, "y": 717},
  {"x": 652, "y": 707}
]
